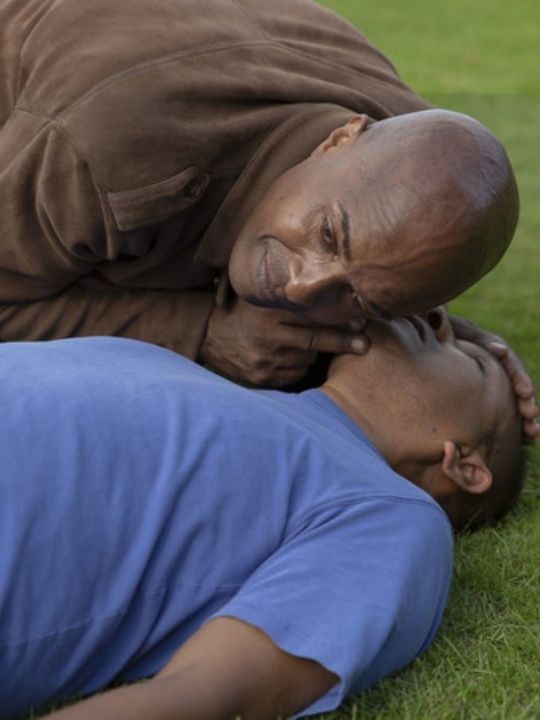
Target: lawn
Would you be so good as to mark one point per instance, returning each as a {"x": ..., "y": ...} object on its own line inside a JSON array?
[{"x": 481, "y": 58}]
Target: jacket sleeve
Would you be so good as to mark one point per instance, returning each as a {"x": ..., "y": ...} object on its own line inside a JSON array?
[
  {"x": 56, "y": 235},
  {"x": 173, "y": 319}
]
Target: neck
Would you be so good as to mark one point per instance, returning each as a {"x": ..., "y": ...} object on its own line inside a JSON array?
[
  {"x": 384, "y": 428},
  {"x": 378, "y": 435}
]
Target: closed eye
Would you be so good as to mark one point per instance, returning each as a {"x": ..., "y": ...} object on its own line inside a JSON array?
[
  {"x": 480, "y": 364},
  {"x": 328, "y": 238}
]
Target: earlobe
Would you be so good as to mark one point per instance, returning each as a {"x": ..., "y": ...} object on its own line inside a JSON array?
[
  {"x": 342, "y": 135},
  {"x": 469, "y": 472}
]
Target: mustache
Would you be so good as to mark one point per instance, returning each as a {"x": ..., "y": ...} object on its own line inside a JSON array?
[{"x": 272, "y": 277}]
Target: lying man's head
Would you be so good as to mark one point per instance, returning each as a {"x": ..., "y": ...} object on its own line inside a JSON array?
[
  {"x": 385, "y": 218},
  {"x": 440, "y": 410}
]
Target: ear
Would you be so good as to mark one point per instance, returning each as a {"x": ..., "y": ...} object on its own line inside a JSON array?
[
  {"x": 344, "y": 134},
  {"x": 469, "y": 472}
]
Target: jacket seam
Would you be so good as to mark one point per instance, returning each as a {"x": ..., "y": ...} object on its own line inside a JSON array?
[
  {"x": 156, "y": 62},
  {"x": 211, "y": 49}
]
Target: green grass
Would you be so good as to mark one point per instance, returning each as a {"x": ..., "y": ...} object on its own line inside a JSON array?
[
  {"x": 480, "y": 58},
  {"x": 489, "y": 46}
]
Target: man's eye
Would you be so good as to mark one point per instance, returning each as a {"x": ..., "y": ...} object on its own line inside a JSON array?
[
  {"x": 328, "y": 236},
  {"x": 480, "y": 364}
]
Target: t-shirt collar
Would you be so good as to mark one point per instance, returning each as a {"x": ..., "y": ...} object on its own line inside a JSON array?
[{"x": 327, "y": 405}]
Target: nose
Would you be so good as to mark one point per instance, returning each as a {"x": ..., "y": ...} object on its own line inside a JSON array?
[
  {"x": 310, "y": 280},
  {"x": 440, "y": 323}
]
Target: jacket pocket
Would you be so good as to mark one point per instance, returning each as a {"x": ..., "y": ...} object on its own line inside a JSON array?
[{"x": 151, "y": 204}]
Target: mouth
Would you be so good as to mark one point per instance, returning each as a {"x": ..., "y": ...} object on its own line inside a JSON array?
[{"x": 269, "y": 296}]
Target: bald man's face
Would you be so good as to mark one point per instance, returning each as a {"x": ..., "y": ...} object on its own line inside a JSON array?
[
  {"x": 349, "y": 233},
  {"x": 380, "y": 222},
  {"x": 337, "y": 243}
]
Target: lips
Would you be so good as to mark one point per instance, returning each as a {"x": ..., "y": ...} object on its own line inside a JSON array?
[
  {"x": 263, "y": 280},
  {"x": 270, "y": 295}
]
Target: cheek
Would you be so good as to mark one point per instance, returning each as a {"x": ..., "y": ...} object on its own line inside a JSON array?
[
  {"x": 455, "y": 390},
  {"x": 327, "y": 313},
  {"x": 243, "y": 266}
]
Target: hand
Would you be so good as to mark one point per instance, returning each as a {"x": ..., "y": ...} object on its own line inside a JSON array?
[
  {"x": 226, "y": 669},
  {"x": 521, "y": 382},
  {"x": 270, "y": 348}
]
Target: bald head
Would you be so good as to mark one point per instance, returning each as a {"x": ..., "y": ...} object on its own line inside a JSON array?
[{"x": 444, "y": 177}]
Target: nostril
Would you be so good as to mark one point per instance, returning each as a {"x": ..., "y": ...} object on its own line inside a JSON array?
[
  {"x": 434, "y": 318},
  {"x": 294, "y": 268}
]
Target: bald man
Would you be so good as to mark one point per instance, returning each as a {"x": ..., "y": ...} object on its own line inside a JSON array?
[{"x": 147, "y": 150}]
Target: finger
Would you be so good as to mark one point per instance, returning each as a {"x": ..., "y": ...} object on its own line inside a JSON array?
[
  {"x": 524, "y": 388},
  {"x": 531, "y": 431},
  {"x": 358, "y": 326},
  {"x": 528, "y": 408},
  {"x": 521, "y": 383},
  {"x": 329, "y": 340},
  {"x": 497, "y": 348}
]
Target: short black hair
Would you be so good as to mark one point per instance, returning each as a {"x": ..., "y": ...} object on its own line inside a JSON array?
[{"x": 505, "y": 456}]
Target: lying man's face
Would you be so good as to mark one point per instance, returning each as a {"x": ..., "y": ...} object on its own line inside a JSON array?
[{"x": 441, "y": 410}]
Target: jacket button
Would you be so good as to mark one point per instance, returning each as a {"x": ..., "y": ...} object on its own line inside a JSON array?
[{"x": 193, "y": 189}]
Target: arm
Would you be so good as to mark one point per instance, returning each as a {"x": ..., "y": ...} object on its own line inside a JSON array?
[
  {"x": 172, "y": 319},
  {"x": 521, "y": 382},
  {"x": 227, "y": 669},
  {"x": 337, "y": 593},
  {"x": 56, "y": 232}
]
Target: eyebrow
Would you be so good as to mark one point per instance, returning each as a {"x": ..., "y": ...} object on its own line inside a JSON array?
[{"x": 346, "y": 231}]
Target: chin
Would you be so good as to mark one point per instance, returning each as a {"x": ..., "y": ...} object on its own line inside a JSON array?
[
  {"x": 242, "y": 269},
  {"x": 239, "y": 279},
  {"x": 243, "y": 287},
  {"x": 250, "y": 287}
]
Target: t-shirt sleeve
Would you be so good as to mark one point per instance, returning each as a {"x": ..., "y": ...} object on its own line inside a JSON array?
[{"x": 359, "y": 588}]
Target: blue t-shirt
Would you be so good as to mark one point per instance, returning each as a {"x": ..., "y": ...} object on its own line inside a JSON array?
[{"x": 141, "y": 495}]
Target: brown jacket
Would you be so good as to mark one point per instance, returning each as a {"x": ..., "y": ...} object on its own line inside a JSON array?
[{"x": 135, "y": 139}]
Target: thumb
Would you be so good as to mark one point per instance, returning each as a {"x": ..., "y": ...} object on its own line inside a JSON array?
[{"x": 360, "y": 344}]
